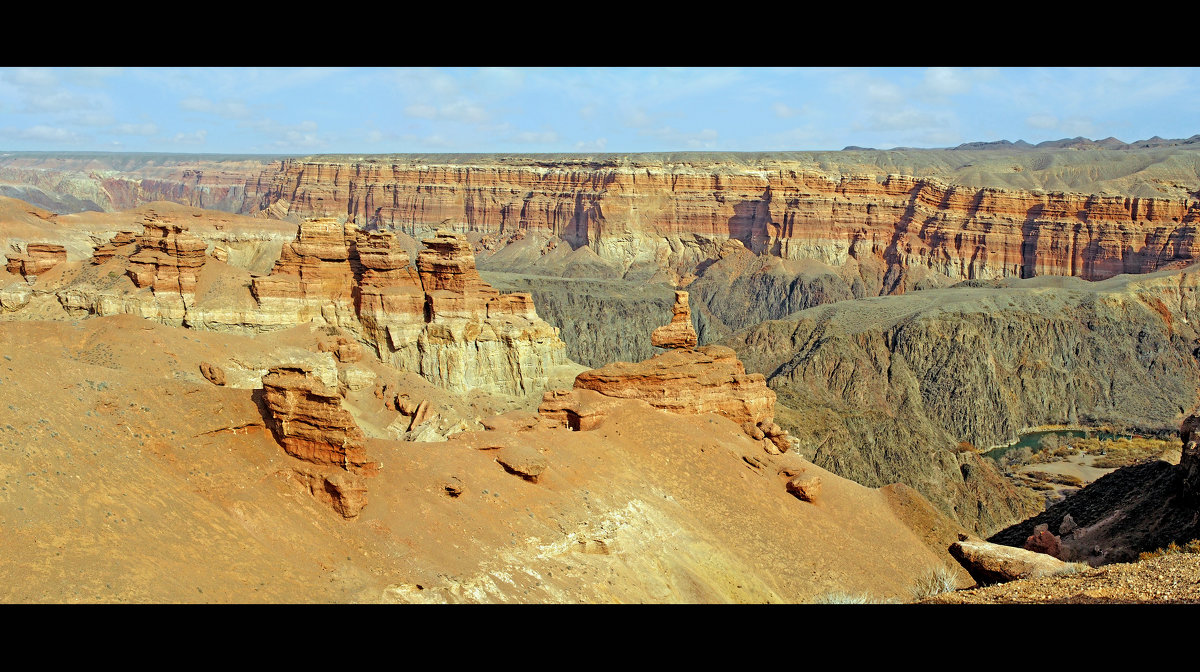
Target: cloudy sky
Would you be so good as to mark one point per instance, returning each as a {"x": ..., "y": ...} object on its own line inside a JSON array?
[{"x": 381, "y": 110}]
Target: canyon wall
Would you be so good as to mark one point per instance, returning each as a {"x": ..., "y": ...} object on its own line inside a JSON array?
[
  {"x": 675, "y": 217},
  {"x": 909, "y": 388},
  {"x": 671, "y": 213},
  {"x": 442, "y": 321}
]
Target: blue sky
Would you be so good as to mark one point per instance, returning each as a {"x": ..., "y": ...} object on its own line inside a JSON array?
[{"x": 382, "y": 110}]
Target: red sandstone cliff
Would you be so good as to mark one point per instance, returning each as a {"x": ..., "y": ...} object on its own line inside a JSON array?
[
  {"x": 961, "y": 232},
  {"x": 674, "y": 215},
  {"x": 36, "y": 260}
]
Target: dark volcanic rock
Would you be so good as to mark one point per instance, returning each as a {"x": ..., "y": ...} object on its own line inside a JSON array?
[{"x": 884, "y": 389}]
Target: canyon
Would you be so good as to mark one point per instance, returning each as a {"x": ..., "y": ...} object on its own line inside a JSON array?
[{"x": 759, "y": 352}]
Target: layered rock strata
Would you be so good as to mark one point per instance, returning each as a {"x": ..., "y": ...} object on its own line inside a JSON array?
[
  {"x": 37, "y": 259},
  {"x": 840, "y": 208},
  {"x": 440, "y": 320},
  {"x": 106, "y": 251},
  {"x": 449, "y": 325},
  {"x": 679, "y": 333},
  {"x": 671, "y": 214},
  {"x": 308, "y": 420},
  {"x": 908, "y": 388},
  {"x": 710, "y": 379},
  {"x": 167, "y": 259},
  {"x": 314, "y": 276},
  {"x": 682, "y": 380}
]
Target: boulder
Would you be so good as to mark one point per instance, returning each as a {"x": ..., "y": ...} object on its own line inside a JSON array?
[
  {"x": 805, "y": 488},
  {"x": 1044, "y": 541},
  {"x": 523, "y": 461},
  {"x": 213, "y": 373},
  {"x": 994, "y": 563}
]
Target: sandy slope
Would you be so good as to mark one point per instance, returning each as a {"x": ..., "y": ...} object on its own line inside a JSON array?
[{"x": 126, "y": 476}]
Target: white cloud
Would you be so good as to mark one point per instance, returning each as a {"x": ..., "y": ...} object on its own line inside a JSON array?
[
  {"x": 147, "y": 128},
  {"x": 421, "y": 111},
  {"x": 946, "y": 82},
  {"x": 1041, "y": 121},
  {"x": 425, "y": 82},
  {"x": 460, "y": 110},
  {"x": 89, "y": 117},
  {"x": 885, "y": 93},
  {"x": 532, "y": 137},
  {"x": 198, "y": 137},
  {"x": 904, "y": 119},
  {"x": 228, "y": 108},
  {"x": 56, "y": 101},
  {"x": 597, "y": 145},
  {"x": 498, "y": 80},
  {"x": 784, "y": 111},
  {"x": 30, "y": 77},
  {"x": 92, "y": 76},
  {"x": 44, "y": 133}
]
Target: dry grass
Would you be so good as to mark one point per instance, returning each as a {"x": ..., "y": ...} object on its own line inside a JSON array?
[
  {"x": 1172, "y": 548},
  {"x": 1061, "y": 479},
  {"x": 1111, "y": 453},
  {"x": 935, "y": 581}
]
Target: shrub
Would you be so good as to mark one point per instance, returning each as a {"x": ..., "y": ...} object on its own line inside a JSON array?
[
  {"x": 1172, "y": 548},
  {"x": 934, "y": 581},
  {"x": 843, "y": 598},
  {"x": 839, "y": 597}
]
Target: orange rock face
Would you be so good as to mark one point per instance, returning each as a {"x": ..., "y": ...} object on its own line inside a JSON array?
[
  {"x": 448, "y": 274},
  {"x": 709, "y": 379},
  {"x": 310, "y": 423},
  {"x": 962, "y": 232},
  {"x": 679, "y": 333},
  {"x": 38, "y": 258},
  {"x": 317, "y": 265},
  {"x": 167, "y": 259},
  {"x": 120, "y": 242}
]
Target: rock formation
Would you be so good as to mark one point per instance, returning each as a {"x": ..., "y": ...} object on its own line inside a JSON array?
[
  {"x": 1044, "y": 541},
  {"x": 672, "y": 213},
  {"x": 167, "y": 259},
  {"x": 37, "y": 259},
  {"x": 441, "y": 321},
  {"x": 709, "y": 379},
  {"x": 314, "y": 277},
  {"x": 213, "y": 374},
  {"x": 627, "y": 213},
  {"x": 993, "y": 563},
  {"x": 805, "y": 488},
  {"x": 453, "y": 328},
  {"x": 106, "y": 251},
  {"x": 310, "y": 423},
  {"x": 679, "y": 333},
  {"x": 308, "y": 420}
]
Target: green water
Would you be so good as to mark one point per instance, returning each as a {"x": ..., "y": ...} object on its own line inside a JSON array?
[{"x": 1032, "y": 439}]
